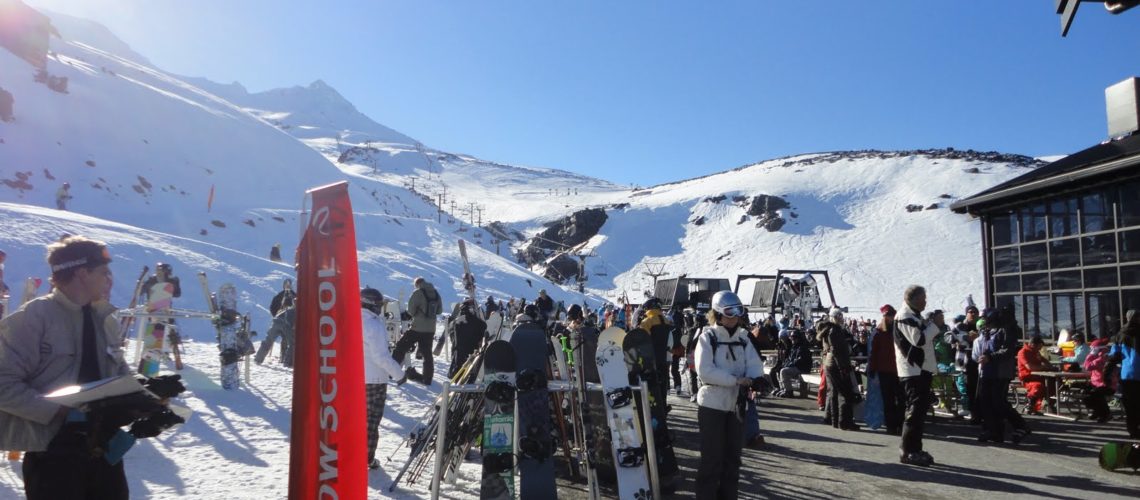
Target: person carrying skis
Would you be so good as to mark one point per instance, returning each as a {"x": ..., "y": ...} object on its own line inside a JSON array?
[
  {"x": 73, "y": 454},
  {"x": 62, "y": 195},
  {"x": 284, "y": 326},
  {"x": 379, "y": 366},
  {"x": 469, "y": 333},
  {"x": 424, "y": 306},
  {"x": 728, "y": 367}
]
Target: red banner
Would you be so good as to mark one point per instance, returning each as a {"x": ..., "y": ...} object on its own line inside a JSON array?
[{"x": 328, "y": 439}]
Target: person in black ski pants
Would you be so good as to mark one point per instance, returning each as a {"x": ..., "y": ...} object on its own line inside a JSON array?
[
  {"x": 914, "y": 360},
  {"x": 728, "y": 367}
]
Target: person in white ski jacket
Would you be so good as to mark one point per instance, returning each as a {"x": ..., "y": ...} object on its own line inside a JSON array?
[
  {"x": 379, "y": 366},
  {"x": 727, "y": 367},
  {"x": 914, "y": 360}
]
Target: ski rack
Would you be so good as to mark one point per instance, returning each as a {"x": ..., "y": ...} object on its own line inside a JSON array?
[
  {"x": 141, "y": 312},
  {"x": 552, "y": 386}
]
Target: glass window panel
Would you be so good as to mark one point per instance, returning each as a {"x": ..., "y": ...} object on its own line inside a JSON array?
[
  {"x": 1037, "y": 282},
  {"x": 1131, "y": 300},
  {"x": 1019, "y": 309},
  {"x": 1007, "y": 284},
  {"x": 1006, "y": 261},
  {"x": 1100, "y": 277},
  {"x": 1099, "y": 249},
  {"x": 1039, "y": 316},
  {"x": 1104, "y": 314},
  {"x": 1033, "y": 222},
  {"x": 1096, "y": 211},
  {"x": 1130, "y": 275},
  {"x": 1063, "y": 217},
  {"x": 1130, "y": 204},
  {"x": 1004, "y": 229},
  {"x": 1064, "y": 253},
  {"x": 1130, "y": 245},
  {"x": 1033, "y": 257},
  {"x": 1066, "y": 280},
  {"x": 1069, "y": 313}
]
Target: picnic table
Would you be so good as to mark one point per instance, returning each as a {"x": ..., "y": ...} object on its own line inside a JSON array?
[{"x": 1058, "y": 378}]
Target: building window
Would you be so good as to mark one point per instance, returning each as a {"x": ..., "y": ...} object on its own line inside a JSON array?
[
  {"x": 1070, "y": 312},
  {"x": 1006, "y": 260},
  {"x": 1102, "y": 277},
  {"x": 1130, "y": 204},
  {"x": 1130, "y": 275},
  {"x": 1130, "y": 245},
  {"x": 1064, "y": 253},
  {"x": 1004, "y": 229},
  {"x": 1033, "y": 257},
  {"x": 1036, "y": 282},
  {"x": 1007, "y": 284},
  {"x": 1098, "y": 249},
  {"x": 1131, "y": 300},
  {"x": 1065, "y": 280},
  {"x": 1039, "y": 316},
  {"x": 1033, "y": 222},
  {"x": 1063, "y": 217},
  {"x": 1096, "y": 211},
  {"x": 1104, "y": 314}
]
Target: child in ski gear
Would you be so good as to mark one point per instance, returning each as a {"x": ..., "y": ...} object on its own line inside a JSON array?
[
  {"x": 914, "y": 359},
  {"x": 69, "y": 337},
  {"x": 1080, "y": 351},
  {"x": 1029, "y": 360},
  {"x": 727, "y": 367},
  {"x": 1102, "y": 387},
  {"x": 424, "y": 306},
  {"x": 379, "y": 366}
]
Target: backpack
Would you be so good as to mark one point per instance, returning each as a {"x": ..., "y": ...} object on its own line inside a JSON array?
[{"x": 434, "y": 303}]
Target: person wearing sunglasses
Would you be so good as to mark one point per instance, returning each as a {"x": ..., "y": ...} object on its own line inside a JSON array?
[{"x": 727, "y": 367}]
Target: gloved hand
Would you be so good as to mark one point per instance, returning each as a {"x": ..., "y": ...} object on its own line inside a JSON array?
[
  {"x": 165, "y": 386},
  {"x": 154, "y": 425},
  {"x": 117, "y": 411}
]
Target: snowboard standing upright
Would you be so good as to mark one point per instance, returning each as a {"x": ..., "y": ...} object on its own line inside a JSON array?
[
  {"x": 535, "y": 444},
  {"x": 638, "y": 347},
  {"x": 227, "y": 322},
  {"x": 498, "y": 422},
  {"x": 153, "y": 330},
  {"x": 628, "y": 450}
]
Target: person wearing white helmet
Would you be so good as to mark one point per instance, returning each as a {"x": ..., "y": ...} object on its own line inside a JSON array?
[{"x": 727, "y": 367}]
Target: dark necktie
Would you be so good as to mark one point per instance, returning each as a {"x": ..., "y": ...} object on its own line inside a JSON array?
[{"x": 89, "y": 361}]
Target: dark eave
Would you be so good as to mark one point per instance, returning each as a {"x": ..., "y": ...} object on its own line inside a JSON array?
[{"x": 1099, "y": 160}]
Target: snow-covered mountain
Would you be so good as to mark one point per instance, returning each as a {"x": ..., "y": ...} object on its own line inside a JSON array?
[{"x": 208, "y": 176}]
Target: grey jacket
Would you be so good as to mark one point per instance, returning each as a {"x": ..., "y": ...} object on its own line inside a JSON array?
[
  {"x": 40, "y": 348},
  {"x": 422, "y": 319}
]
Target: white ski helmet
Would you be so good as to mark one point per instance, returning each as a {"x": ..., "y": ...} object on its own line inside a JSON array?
[{"x": 728, "y": 304}]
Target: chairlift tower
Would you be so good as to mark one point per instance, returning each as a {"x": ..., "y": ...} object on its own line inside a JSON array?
[{"x": 655, "y": 270}]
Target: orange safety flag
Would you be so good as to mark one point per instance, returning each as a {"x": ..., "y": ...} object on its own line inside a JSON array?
[{"x": 329, "y": 438}]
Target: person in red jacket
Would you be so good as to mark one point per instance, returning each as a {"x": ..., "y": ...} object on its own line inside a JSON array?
[
  {"x": 1029, "y": 360},
  {"x": 882, "y": 365}
]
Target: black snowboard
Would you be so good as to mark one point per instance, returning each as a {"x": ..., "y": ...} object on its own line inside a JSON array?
[
  {"x": 535, "y": 443},
  {"x": 598, "y": 440},
  {"x": 498, "y": 422},
  {"x": 639, "y": 354}
]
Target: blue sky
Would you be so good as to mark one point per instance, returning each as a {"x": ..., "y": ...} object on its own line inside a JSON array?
[{"x": 644, "y": 92}]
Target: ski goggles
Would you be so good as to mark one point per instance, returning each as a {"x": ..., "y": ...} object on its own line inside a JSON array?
[{"x": 736, "y": 311}]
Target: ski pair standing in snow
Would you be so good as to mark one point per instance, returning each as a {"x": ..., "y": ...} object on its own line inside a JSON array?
[
  {"x": 727, "y": 367},
  {"x": 379, "y": 366}
]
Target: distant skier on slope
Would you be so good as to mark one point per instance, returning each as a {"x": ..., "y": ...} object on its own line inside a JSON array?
[{"x": 62, "y": 196}]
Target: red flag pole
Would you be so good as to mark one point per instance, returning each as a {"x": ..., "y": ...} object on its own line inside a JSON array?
[{"x": 328, "y": 438}]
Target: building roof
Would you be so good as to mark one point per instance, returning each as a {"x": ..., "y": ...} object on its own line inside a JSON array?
[{"x": 1097, "y": 161}]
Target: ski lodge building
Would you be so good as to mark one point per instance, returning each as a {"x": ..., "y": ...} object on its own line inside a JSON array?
[{"x": 1062, "y": 243}]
